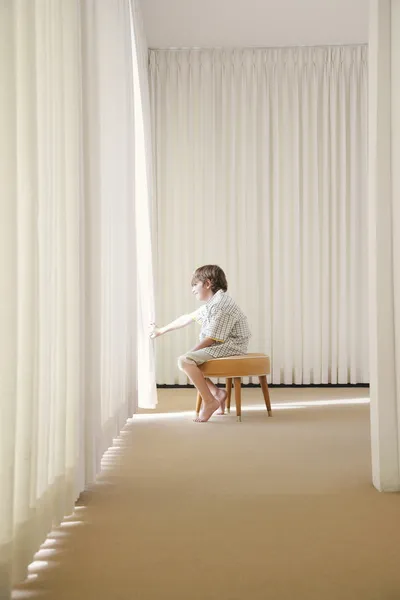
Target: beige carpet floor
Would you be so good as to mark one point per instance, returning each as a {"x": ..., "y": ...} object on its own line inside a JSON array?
[{"x": 280, "y": 509}]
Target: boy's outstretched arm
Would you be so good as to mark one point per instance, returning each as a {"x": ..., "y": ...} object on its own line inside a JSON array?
[{"x": 180, "y": 322}]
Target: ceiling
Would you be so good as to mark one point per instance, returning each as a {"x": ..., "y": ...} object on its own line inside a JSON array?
[{"x": 254, "y": 23}]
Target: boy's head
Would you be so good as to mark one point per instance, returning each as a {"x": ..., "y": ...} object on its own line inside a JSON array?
[{"x": 210, "y": 277}]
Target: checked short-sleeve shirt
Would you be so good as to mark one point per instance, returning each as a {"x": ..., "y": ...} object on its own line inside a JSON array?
[{"x": 222, "y": 320}]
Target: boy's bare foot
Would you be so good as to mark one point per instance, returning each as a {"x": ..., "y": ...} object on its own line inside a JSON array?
[
  {"x": 221, "y": 397},
  {"x": 207, "y": 411}
]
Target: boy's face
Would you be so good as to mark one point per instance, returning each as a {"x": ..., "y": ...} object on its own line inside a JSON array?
[{"x": 202, "y": 291}]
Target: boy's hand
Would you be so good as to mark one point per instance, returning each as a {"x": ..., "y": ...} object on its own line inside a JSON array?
[{"x": 154, "y": 331}]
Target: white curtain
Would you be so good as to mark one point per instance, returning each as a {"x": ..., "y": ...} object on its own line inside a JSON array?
[
  {"x": 260, "y": 167},
  {"x": 69, "y": 280}
]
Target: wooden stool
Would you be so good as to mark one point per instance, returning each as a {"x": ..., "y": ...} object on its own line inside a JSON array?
[{"x": 234, "y": 368}]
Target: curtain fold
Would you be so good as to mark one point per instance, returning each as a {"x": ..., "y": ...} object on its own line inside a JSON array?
[
  {"x": 71, "y": 278},
  {"x": 260, "y": 166}
]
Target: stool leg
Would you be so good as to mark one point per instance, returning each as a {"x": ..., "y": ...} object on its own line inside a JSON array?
[
  {"x": 238, "y": 399},
  {"x": 228, "y": 391},
  {"x": 198, "y": 403},
  {"x": 265, "y": 391}
]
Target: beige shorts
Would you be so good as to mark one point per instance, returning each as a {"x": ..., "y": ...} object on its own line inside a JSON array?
[{"x": 198, "y": 356}]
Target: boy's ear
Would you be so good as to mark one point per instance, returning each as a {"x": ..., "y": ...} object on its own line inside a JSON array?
[{"x": 208, "y": 284}]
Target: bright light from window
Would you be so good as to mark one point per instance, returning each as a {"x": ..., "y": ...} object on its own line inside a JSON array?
[
  {"x": 24, "y": 594},
  {"x": 49, "y": 542},
  {"x": 256, "y": 408},
  {"x": 37, "y": 565},
  {"x": 147, "y": 392},
  {"x": 71, "y": 523},
  {"x": 45, "y": 553}
]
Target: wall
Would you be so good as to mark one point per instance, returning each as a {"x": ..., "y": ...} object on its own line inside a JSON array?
[{"x": 250, "y": 23}]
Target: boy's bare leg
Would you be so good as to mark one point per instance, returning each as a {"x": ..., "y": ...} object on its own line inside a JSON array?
[
  {"x": 219, "y": 394},
  {"x": 210, "y": 404}
]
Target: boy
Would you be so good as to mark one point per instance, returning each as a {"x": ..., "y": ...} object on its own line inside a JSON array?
[{"x": 224, "y": 332}]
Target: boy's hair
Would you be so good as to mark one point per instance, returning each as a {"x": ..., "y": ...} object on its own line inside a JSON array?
[{"x": 214, "y": 273}]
